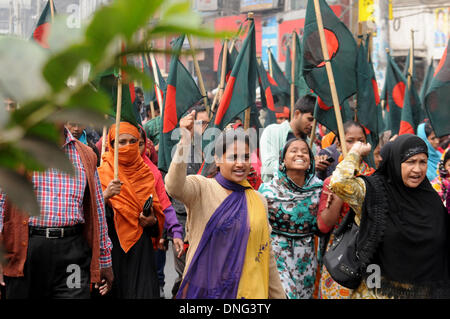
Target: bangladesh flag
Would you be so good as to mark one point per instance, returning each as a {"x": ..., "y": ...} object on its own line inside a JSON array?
[
  {"x": 427, "y": 81},
  {"x": 393, "y": 94},
  {"x": 278, "y": 77},
  {"x": 266, "y": 94},
  {"x": 326, "y": 116},
  {"x": 42, "y": 30},
  {"x": 342, "y": 51},
  {"x": 438, "y": 97},
  {"x": 406, "y": 67},
  {"x": 182, "y": 92},
  {"x": 231, "y": 59},
  {"x": 240, "y": 89},
  {"x": 280, "y": 85},
  {"x": 150, "y": 95},
  {"x": 108, "y": 82},
  {"x": 368, "y": 99},
  {"x": 411, "y": 112},
  {"x": 300, "y": 84}
]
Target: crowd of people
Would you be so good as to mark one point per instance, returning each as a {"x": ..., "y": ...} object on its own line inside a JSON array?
[{"x": 256, "y": 226}]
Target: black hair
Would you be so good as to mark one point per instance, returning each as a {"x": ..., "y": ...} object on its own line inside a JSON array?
[
  {"x": 137, "y": 90},
  {"x": 221, "y": 143},
  {"x": 230, "y": 136},
  {"x": 350, "y": 124},
  {"x": 306, "y": 104},
  {"x": 428, "y": 129},
  {"x": 446, "y": 157}
]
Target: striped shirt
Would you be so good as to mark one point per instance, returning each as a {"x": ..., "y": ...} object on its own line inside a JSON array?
[{"x": 61, "y": 199}]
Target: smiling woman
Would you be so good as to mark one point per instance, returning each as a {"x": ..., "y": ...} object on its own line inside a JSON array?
[
  {"x": 229, "y": 253},
  {"x": 293, "y": 197}
]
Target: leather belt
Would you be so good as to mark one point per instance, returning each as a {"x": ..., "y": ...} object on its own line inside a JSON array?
[{"x": 56, "y": 232}]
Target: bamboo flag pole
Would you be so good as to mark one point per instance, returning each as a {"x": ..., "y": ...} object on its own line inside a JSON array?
[
  {"x": 156, "y": 77},
  {"x": 105, "y": 130},
  {"x": 270, "y": 62},
  {"x": 223, "y": 69},
  {"x": 248, "y": 110},
  {"x": 118, "y": 113},
  {"x": 313, "y": 133},
  {"x": 152, "y": 104},
  {"x": 199, "y": 74},
  {"x": 52, "y": 10},
  {"x": 293, "y": 53},
  {"x": 334, "y": 94},
  {"x": 411, "y": 60}
]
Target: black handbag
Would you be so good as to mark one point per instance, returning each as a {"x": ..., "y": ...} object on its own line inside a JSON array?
[{"x": 341, "y": 259}]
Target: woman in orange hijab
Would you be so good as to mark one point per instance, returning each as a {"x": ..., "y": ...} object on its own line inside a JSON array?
[{"x": 130, "y": 231}]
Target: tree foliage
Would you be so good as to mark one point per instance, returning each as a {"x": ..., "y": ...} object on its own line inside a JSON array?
[{"x": 57, "y": 85}]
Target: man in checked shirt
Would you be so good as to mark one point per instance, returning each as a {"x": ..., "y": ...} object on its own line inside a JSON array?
[{"x": 58, "y": 254}]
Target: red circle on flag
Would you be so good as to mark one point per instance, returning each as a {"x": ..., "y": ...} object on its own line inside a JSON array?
[
  {"x": 322, "y": 104},
  {"x": 398, "y": 94},
  {"x": 332, "y": 46},
  {"x": 313, "y": 48},
  {"x": 375, "y": 91}
]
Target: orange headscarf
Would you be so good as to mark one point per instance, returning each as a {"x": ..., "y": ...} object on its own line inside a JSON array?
[
  {"x": 327, "y": 140},
  {"x": 138, "y": 183}
]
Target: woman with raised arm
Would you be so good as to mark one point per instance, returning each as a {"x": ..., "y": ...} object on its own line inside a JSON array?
[{"x": 229, "y": 253}]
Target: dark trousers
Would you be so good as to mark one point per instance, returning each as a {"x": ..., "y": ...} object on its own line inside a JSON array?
[
  {"x": 160, "y": 264},
  {"x": 55, "y": 268}
]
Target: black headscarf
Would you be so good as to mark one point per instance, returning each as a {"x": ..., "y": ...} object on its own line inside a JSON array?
[{"x": 414, "y": 246}]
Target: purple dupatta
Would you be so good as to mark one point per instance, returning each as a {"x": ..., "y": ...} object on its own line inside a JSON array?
[{"x": 216, "y": 267}]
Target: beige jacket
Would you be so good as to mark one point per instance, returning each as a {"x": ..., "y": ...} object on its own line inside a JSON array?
[{"x": 202, "y": 196}]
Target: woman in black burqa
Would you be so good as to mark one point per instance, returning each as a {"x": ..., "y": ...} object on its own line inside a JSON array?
[{"x": 404, "y": 228}]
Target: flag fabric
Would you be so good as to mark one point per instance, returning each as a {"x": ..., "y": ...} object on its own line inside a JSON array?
[
  {"x": 280, "y": 85},
  {"x": 412, "y": 114},
  {"x": 278, "y": 77},
  {"x": 150, "y": 95},
  {"x": 301, "y": 87},
  {"x": 438, "y": 97},
  {"x": 342, "y": 51},
  {"x": 267, "y": 99},
  {"x": 42, "y": 30},
  {"x": 406, "y": 67},
  {"x": 368, "y": 99},
  {"x": 393, "y": 93},
  {"x": 108, "y": 82},
  {"x": 240, "y": 89},
  {"x": 326, "y": 116},
  {"x": 182, "y": 92},
  {"x": 427, "y": 81},
  {"x": 231, "y": 59}
]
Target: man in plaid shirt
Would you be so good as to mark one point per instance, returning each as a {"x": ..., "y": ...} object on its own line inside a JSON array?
[{"x": 68, "y": 245}]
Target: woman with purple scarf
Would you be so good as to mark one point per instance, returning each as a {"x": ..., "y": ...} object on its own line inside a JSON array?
[{"x": 229, "y": 255}]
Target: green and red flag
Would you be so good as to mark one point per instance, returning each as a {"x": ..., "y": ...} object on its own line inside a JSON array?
[
  {"x": 279, "y": 80},
  {"x": 150, "y": 95},
  {"x": 342, "y": 51},
  {"x": 267, "y": 99},
  {"x": 427, "y": 81},
  {"x": 326, "y": 116},
  {"x": 368, "y": 99},
  {"x": 240, "y": 91},
  {"x": 108, "y": 83},
  {"x": 394, "y": 94},
  {"x": 42, "y": 30},
  {"x": 438, "y": 97},
  {"x": 231, "y": 59},
  {"x": 182, "y": 93},
  {"x": 301, "y": 87}
]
